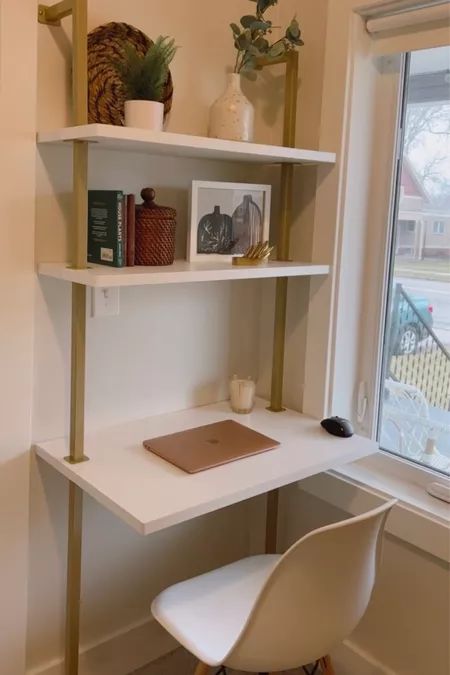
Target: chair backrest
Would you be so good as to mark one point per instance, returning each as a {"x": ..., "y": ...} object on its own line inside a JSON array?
[{"x": 315, "y": 597}]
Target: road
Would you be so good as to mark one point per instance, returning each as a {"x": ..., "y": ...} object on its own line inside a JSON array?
[{"x": 438, "y": 294}]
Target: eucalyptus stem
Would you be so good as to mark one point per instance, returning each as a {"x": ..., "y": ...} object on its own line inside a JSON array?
[
  {"x": 252, "y": 39},
  {"x": 277, "y": 42},
  {"x": 245, "y": 60},
  {"x": 240, "y": 65},
  {"x": 236, "y": 70}
]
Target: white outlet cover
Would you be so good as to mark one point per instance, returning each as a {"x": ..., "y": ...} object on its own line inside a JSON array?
[{"x": 105, "y": 302}]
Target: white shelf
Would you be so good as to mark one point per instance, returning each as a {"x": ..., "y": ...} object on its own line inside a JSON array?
[
  {"x": 183, "y": 145},
  {"x": 180, "y": 272},
  {"x": 149, "y": 494}
]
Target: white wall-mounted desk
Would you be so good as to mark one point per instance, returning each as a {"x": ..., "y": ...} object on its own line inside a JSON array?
[{"x": 149, "y": 494}]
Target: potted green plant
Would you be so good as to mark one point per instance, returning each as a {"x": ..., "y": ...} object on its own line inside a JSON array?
[
  {"x": 144, "y": 78},
  {"x": 232, "y": 115}
]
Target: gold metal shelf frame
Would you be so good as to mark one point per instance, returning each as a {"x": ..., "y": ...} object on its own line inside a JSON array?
[{"x": 52, "y": 15}]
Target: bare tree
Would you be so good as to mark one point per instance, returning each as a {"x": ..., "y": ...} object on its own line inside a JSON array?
[
  {"x": 422, "y": 121},
  {"x": 425, "y": 119}
]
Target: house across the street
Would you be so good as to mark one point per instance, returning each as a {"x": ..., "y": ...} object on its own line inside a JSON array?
[{"x": 423, "y": 220}]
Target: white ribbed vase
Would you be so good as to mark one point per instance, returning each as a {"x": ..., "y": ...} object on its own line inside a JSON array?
[{"x": 232, "y": 116}]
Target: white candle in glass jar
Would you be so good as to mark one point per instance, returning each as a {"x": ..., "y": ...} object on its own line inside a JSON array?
[{"x": 242, "y": 395}]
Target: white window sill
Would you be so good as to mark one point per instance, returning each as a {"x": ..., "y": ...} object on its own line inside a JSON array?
[{"x": 419, "y": 519}]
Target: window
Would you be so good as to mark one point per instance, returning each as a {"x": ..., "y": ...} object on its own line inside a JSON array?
[
  {"x": 406, "y": 225},
  {"x": 414, "y": 415}
]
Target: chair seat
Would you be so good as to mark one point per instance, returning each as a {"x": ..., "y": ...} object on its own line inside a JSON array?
[{"x": 206, "y": 614}]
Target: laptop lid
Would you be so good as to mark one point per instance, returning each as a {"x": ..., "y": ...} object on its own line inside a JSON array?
[{"x": 211, "y": 445}]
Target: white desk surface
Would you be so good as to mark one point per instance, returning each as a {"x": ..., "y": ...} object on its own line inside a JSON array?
[{"x": 149, "y": 494}]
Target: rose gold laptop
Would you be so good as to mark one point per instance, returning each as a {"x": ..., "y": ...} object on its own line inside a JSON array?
[{"x": 205, "y": 447}]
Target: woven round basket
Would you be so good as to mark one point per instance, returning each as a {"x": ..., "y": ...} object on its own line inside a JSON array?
[
  {"x": 106, "y": 93},
  {"x": 155, "y": 231}
]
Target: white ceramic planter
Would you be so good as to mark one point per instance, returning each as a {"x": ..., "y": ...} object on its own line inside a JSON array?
[
  {"x": 232, "y": 116},
  {"x": 144, "y": 115}
]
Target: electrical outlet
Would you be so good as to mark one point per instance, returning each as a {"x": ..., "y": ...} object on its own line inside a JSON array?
[{"x": 105, "y": 302}]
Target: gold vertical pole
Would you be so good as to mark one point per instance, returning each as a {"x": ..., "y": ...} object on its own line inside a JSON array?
[
  {"x": 279, "y": 333},
  {"x": 290, "y": 99},
  {"x": 285, "y": 222},
  {"x": 78, "y": 357},
  {"x": 272, "y": 521},
  {"x": 73, "y": 584},
  {"x": 79, "y": 61},
  {"x": 79, "y": 244},
  {"x": 79, "y": 260}
]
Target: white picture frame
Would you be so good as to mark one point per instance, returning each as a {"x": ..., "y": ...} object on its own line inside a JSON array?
[{"x": 220, "y": 210}]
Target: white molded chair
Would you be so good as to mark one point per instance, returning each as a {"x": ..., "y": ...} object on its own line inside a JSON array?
[
  {"x": 270, "y": 613},
  {"x": 407, "y": 427}
]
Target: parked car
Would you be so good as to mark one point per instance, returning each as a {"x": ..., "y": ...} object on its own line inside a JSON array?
[{"x": 414, "y": 315}]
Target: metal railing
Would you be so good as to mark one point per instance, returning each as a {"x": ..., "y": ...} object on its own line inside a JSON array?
[{"x": 416, "y": 355}]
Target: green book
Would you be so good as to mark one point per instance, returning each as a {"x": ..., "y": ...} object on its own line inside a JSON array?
[{"x": 106, "y": 210}]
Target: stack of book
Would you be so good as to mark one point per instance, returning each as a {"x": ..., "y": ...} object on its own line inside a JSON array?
[{"x": 111, "y": 228}]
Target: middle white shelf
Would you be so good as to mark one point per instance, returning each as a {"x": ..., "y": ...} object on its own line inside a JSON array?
[{"x": 181, "y": 272}]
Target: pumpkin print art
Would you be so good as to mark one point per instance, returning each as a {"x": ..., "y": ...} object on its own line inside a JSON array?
[
  {"x": 215, "y": 233},
  {"x": 226, "y": 219}
]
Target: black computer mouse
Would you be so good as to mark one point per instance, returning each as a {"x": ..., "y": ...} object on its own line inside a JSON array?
[{"x": 338, "y": 426}]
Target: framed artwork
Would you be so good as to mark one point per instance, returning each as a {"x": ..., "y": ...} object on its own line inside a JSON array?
[{"x": 227, "y": 218}]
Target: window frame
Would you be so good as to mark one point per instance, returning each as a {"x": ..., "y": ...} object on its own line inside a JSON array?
[
  {"x": 388, "y": 240},
  {"x": 341, "y": 376},
  {"x": 438, "y": 227}
]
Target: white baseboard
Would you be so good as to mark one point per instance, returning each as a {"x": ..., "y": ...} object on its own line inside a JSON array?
[
  {"x": 118, "y": 654},
  {"x": 349, "y": 659},
  {"x": 139, "y": 645}
]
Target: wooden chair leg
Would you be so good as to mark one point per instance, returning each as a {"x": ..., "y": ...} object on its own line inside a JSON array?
[
  {"x": 327, "y": 666},
  {"x": 201, "y": 669}
]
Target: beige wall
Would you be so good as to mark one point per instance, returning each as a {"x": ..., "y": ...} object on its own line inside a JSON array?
[
  {"x": 17, "y": 160},
  {"x": 406, "y": 628}
]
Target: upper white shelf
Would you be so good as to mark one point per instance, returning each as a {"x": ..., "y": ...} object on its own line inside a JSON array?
[
  {"x": 149, "y": 494},
  {"x": 183, "y": 145},
  {"x": 181, "y": 272}
]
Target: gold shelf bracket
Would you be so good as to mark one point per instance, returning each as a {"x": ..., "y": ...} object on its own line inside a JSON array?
[{"x": 51, "y": 15}]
